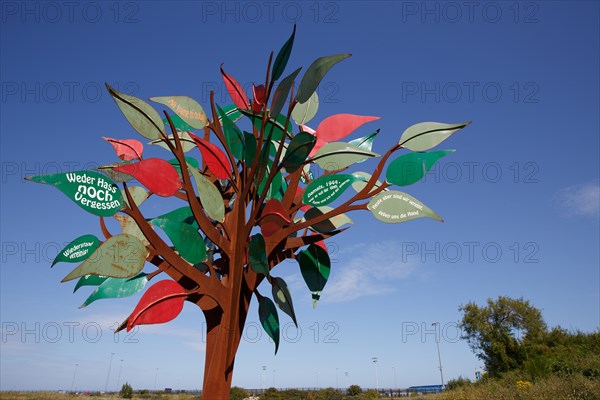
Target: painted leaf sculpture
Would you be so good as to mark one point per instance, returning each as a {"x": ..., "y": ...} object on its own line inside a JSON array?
[{"x": 258, "y": 187}]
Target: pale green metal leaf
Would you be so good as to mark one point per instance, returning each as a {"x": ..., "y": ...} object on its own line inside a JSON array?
[
  {"x": 339, "y": 155},
  {"x": 130, "y": 227},
  {"x": 187, "y": 143},
  {"x": 210, "y": 196},
  {"x": 304, "y": 112},
  {"x": 394, "y": 207},
  {"x": 142, "y": 117},
  {"x": 362, "y": 179},
  {"x": 121, "y": 256},
  {"x": 187, "y": 108},
  {"x": 425, "y": 135},
  {"x": 138, "y": 193}
]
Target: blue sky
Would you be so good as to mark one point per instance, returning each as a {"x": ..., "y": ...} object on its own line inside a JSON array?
[{"x": 520, "y": 196}]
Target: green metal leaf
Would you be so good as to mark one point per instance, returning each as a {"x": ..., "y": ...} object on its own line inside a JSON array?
[
  {"x": 315, "y": 267},
  {"x": 257, "y": 255},
  {"x": 274, "y": 127},
  {"x": 90, "y": 190},
  {"x": 142, "y": 117},
  {"x": 121, "y": 256},
  {"x": 283, "y": 297},
  {"x": 233, "y": 135},
  {"x": 249, "y": 147},
  {"x": 187, "y": 108},
  {"x": 425, "y": 135},
  {"x": 362, "y": 179},
  {"x": 180, "y": 124},
  {"x": 210, "y": 196},
  {"x": 326, "y": 189},
  {"x": 281, "y": 93},
  {"x": 78, "y": 250},
  {"x": 315, "y": 73},
  {"x": 113, "y": 288},
  {"x": 304, "y": 112},
  {"x": 130, "y": 227},
  {"x": 283, "y": 56},
  {"x": 267, "y": 313},
  {"x": 185, "y": 237},
  {"x": 138, "y": 193},
  {"x": 365, "y": 142},
  {"x": 232, "y": 112},
  {"x": 328, "y": 225},
  {"x": 187, "y": 143},
  {"x": 298, "y": 150},
  {"x": 182, "y": 214},
  {"x": 277, "y": 184},
  {"x": 410, "y": 168},
  {"x": 339, "y": 155},
  {"x": 394, "y": 207},
  {"x": 89, "y": 280}
]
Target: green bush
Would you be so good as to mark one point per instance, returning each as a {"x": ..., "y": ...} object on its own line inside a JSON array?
[
  {"x": 126, "y": 391},
  {"x": 238, "y": 393},
  {"x": 458, "y": 382},
  {"x": 354, "y": 390}
]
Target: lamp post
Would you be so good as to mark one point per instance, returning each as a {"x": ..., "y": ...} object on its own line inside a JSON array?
[
  {"x": 264, "y": 377},
  {"x": 119, "y": 377},
  {"x": 108, "y": 374},
  {"x": 273, "y": 377},
  {"x": 374, "y": 359},
  {"x": 155, "y": 379},
  {"x": 395, "y": 382},
  {"x": 73, "y": 381},
  {"x": 337, "y": 386},
  {"x": 437, "y": 342}
]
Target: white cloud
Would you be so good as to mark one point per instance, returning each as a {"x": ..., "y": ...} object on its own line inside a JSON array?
[
  {"x": 367, "y": 270},
  {"x": 583, "y": 199}
]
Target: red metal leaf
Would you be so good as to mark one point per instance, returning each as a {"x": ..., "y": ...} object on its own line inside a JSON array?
[
  {"x": 161, "y": 303},
  {"x": 259, "y": 97},
  {"x": 273, "y": 218},
  {"x": 216, "y": 161},
  {"x": 159, "y": 176},
  {"x": 339, "y": 126},
  {"x": 236, "y": 92},
  {"x": 126, "y": 149}
]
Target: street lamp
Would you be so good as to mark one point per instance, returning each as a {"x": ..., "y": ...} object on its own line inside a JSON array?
[
  {"x": 74, "y": 373},
  {"x": 108, "y": 374},
  {"x": 264, "y": 377},
  {"x": 155, "y": 379},
  {"x": 437, "y": 342},
  {"x": 119, "y": 377},
  {"x": 374, "y": 359},
  {"x": 337, "y": 386},
  {"x": 395, "y": 383}
]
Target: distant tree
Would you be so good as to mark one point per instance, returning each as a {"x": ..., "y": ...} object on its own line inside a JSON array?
[
  {"x": 501, "y": 332},
  {"x": 126, "y": 391},
  {"x": 354, "y": 390}
]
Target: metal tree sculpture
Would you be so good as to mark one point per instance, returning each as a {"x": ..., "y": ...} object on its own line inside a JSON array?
[{"x": 255, "y": 203}]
